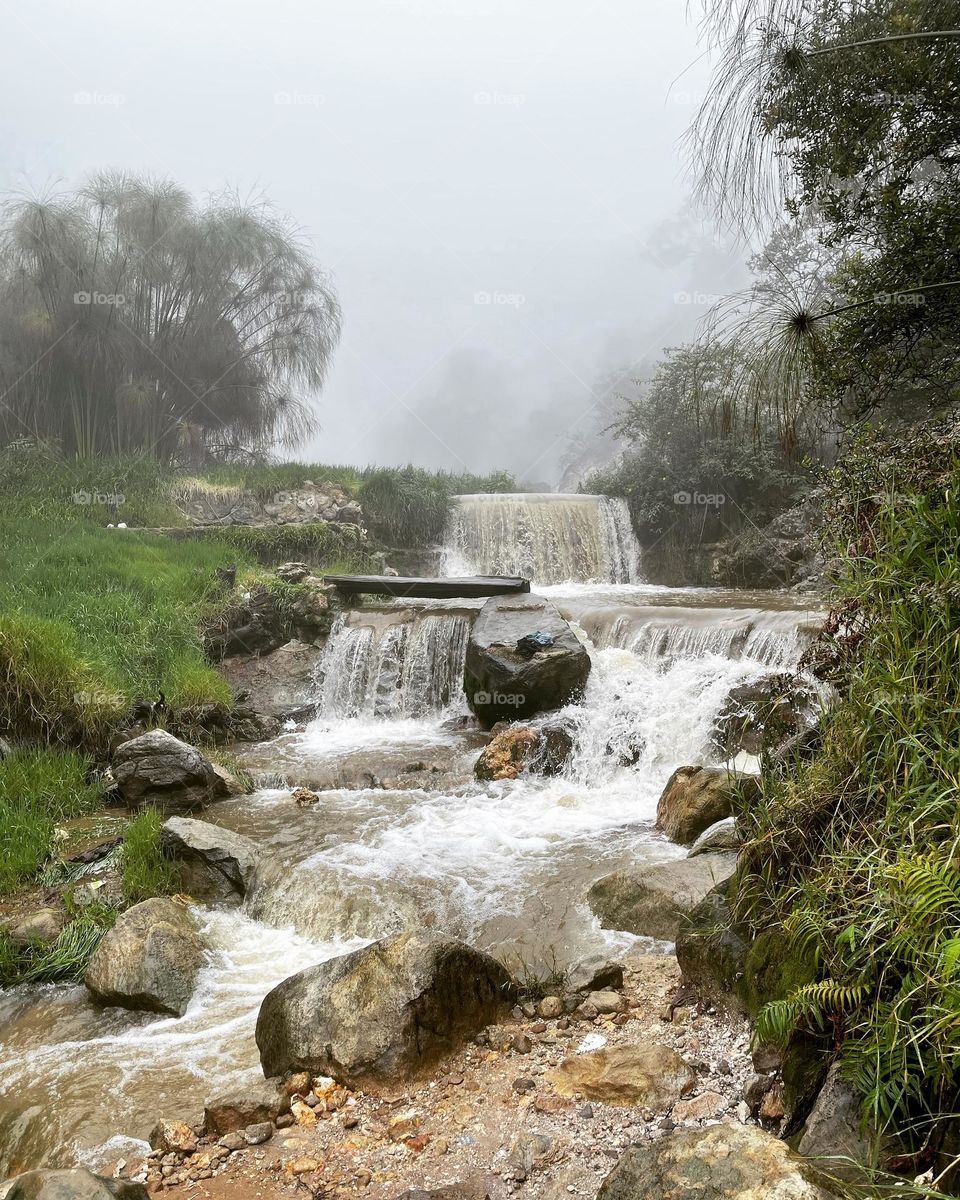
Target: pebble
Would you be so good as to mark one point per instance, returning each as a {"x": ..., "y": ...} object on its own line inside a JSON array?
[{"x": 523, "y": 1084}]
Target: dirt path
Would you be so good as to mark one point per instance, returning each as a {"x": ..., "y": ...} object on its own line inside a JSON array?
[{"x": 491, "y": 1120}]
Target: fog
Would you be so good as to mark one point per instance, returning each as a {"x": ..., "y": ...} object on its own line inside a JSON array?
[{"x": 496, "y": 187}]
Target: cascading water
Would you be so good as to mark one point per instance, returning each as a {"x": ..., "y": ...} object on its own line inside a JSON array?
[
  {"x": 502, "y": 865},
  {"x": 547, "y": 537},
  {"x": 388, "y": 665}
]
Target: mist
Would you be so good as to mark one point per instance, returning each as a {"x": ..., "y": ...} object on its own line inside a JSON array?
[{"x": 497, "y": 190}]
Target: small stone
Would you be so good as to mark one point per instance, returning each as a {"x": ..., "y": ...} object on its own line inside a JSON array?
[
  {"x": 771, "y": 1107},
  {"x": 350, "y": 1121},
  {"x": 297, "y": 1084},
  {"x": 173, "y": 1135},
  {"x": 256, "y": 1135},
  {"x": 606, "y": 1002},
  {"x": 755, "y": 1089},
  {"x": 523, "y": 1084},
  {"x": 766, "y": 1059},
  {"x": 585, "y": 1112},
  {"x": 538, "y": 1027},
  {"x": 699, "y": 1108},
  {"x": 587, "y": 1011},
  {"x": 404, "y": 1126},
  {"x": 724, "y": 1068},
  {"x": 303, "y": 1166},
  {"x": 441, "y": 1145},
  {"x": 232, "y": 1141},
  {"x": 550, "y": 1007},
  {"x": 284, "y": 1121},
  {"x": 522, "y": 1044},
  {"x": 528, "y": 1009},
  {"x": 563, "y": 1023}
]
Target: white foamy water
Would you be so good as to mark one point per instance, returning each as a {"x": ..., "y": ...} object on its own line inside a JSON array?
[{"x": 73, "y": 1074}]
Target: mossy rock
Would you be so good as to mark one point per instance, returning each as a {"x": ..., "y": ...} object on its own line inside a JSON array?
[
  {"x": 773, "y": 969},
  {"x": 712, "y": 950}
]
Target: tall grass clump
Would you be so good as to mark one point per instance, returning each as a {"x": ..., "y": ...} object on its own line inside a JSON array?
[
  {"x": 855, "y": 855},
  {"x": 38, "y": 790},
  {"x": 146, "y": 870}
]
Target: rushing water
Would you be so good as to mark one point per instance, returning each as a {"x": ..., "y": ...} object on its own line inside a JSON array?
[
  {"x": 404, "y": 835},
  {"x": 547, "y": 537}
]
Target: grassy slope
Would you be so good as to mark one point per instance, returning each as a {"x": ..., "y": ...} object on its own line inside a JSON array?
[{"x": 856, "y": 854}]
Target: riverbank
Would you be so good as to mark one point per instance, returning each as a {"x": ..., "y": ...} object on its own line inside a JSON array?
[{"x": 494, "y": 1120}]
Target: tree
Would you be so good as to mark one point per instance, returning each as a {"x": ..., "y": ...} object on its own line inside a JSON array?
[
  {"x": 847, "y": 111},
  {"x": 134, "y": 320}
]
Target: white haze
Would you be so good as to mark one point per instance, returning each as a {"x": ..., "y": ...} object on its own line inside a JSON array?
[{"x": 496, "y": 186}]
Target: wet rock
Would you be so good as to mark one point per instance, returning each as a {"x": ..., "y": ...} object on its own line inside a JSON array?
[
  {"x": 651, "y": 1075},
  {"x": 722, "y": 835},
  {"x": 651, "y": 899},
  {"x": 764, "y": 715},
  {"x": 536, "y": 750},
  {"x": 43, "y": 926},
  {"x": 252, "y": 1106},
  {"x": 279, "y": 683},
  {"x": 77, "y": 1184},
  {"x": 149, "y": 960},
  {"x": 383, "y": 1013},
  {"x": 721, "y": 1162},
  {"x": 217, "y": 863},
  {"x": 158, "y": 769},
  {"x": 833, "y": 1129},
  {"x": 697, "y": 797},
  {"x": 502, "y": 684}
]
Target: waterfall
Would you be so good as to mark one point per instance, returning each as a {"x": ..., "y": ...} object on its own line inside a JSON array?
[
  {"x": 547, "y": 537},
  {"x": 653, "y": 634},
  {"x": 392, "y": 664}
]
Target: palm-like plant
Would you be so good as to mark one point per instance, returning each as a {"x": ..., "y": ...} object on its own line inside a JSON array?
[{"x": 133, "y": 319}]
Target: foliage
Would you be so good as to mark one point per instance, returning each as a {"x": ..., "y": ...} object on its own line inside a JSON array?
[
  {"x": 845, "y": 111},
  {"x": 409, "y": 506},
  {"x": 38, "y": 790},
  {"x": 703, "y": 460},
  {"x": 146, "y": 869},
  {"x": 855, "y": 852},
  {"x": 133, "y": 320},
  {"x": 62, "y": 961}
]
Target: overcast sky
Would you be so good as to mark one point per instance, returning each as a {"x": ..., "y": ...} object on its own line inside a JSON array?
[{"x": 496, "y": 186}]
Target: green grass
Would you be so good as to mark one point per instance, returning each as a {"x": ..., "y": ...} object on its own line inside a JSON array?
[
  {"x": 146, "y": 869},
  {"x": 37, "y": 791},
  {"x": 62, "y": 961},
  {"x": 856, "y": 854},
  {"x": 90, "y": 618}
]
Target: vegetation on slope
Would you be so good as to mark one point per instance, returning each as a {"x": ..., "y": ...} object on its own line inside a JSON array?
[{"x": 854, "y": 854}]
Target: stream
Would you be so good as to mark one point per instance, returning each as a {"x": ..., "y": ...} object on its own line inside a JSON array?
[{"x": 403, "y": 834}]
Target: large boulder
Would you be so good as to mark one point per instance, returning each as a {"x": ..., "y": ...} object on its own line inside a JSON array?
[
  {"x": 697, "y": 797},
  {"x": 158, "y": 769},
  {"x": 517, "y": 749},
  {"x": 76, "y": 1184},
  {"x": 653, "y": 1076},
  {"x": 149, "y": 960},
  {"x": 500, "y": 682},
  {"x": 277, "y": 684},
  {"x": 721, "y": 1162},
  {"x": 651, "y": 899},
  {"x": 217, "y": 864},
  {"x": 382, "y": 1014}
]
